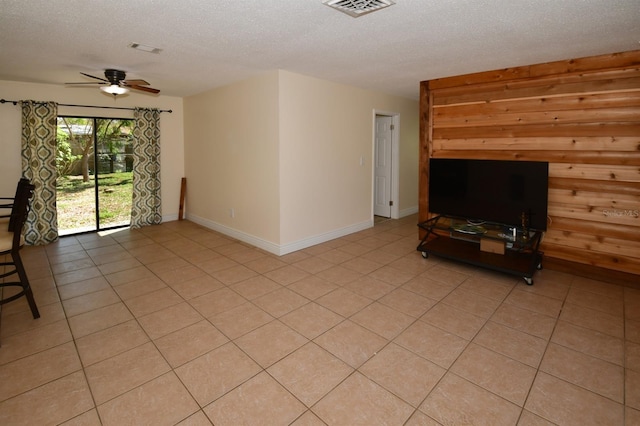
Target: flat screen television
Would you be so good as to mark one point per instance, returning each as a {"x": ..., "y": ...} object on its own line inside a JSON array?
[{"x": 490, "y": 190}]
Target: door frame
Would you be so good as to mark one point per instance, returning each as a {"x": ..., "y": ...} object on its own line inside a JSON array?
[{"x": 395, "y": 162}]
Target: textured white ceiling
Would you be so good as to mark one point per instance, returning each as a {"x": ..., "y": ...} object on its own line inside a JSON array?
[{"x": 209, "y": 43}]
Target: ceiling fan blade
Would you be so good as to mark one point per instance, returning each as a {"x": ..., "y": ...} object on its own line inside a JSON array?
[
  {"x": 135, "y": 83},
  {"x": 93, "y": 76},
  {"x": 87, "y": 83},
  {"x": 144, "y": 89},
  {"x": 117, "y": 77}
]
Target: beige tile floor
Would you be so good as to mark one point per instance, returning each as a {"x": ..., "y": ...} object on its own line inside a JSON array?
[{"x": 176, "y": 324}]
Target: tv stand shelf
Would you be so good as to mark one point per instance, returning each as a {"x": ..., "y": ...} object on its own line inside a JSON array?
[{"x": 455, "y": 239}]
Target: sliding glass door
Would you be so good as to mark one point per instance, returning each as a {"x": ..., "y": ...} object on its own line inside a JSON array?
[{"x": 95, "y": 163}]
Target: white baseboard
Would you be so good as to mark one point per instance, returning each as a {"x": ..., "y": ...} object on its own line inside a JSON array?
[
  {"x": 322, "y": 238},
  {"x": 277, "y": 249},
  {"x": 234, "y": 233},
  {"x": 170, "y": 217},
  {"x": 409, "y": 211}
]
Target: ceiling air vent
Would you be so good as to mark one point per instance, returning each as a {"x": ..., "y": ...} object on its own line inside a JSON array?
[{"x": 357, "y": 8}]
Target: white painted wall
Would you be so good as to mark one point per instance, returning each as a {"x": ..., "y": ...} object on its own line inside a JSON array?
[
  {"x": 283, "y": 150},
  {"x": 231, "y": 155},
  {"x": 325, "y": 129},
  {"x": 171, "y": 128}
]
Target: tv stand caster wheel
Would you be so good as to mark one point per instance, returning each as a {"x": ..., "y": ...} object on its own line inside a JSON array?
[
  {"x": 425, "y": 255},
  {"x": 528, "y": 280}
]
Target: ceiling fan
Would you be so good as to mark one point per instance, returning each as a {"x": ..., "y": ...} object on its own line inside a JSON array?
[{"x": 115, "y": 83}]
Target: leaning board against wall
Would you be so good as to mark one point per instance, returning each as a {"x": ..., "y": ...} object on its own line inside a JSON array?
[{"x": 580, "y": 115}]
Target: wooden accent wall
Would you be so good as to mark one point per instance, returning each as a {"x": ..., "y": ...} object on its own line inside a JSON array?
[{"x": 580, "y": 115}]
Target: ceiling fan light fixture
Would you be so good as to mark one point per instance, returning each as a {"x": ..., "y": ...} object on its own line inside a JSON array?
[{"x": 114, "y": 89}]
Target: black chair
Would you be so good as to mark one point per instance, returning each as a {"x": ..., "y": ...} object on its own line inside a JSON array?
[
  {"x": 6, "y": 203},
  {"x": 11, "y": 241}
]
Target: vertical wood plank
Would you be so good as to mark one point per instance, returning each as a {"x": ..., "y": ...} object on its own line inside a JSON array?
[
  {"x": 183, "y": 193},
  {"x": 424, "y": 154}
]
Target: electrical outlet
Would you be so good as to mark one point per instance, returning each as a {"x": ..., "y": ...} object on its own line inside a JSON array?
[{"x": 232, "y": 213}]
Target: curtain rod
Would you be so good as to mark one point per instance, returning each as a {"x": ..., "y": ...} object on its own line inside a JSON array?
[{"x": 4, "y": 101}]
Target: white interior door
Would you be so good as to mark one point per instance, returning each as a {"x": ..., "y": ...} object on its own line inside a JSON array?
[{"x": 382, "y": 169}]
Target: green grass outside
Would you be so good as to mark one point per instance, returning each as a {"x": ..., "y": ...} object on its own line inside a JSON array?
[{"x": 76, "y": 201}]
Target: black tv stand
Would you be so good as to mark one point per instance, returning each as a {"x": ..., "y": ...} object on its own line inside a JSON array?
[{"x": 457, "y": 239}]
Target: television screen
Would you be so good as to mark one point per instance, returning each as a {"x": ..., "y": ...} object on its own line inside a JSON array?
[{"x": 490, "y": 190}]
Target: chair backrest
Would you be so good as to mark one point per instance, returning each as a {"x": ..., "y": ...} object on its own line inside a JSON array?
[
  {"x": 20, "y": 188},
  {"x": 20, "y": 210}
]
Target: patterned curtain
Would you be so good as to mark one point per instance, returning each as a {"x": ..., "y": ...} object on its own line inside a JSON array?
[
  {"x": 39, "y": 128},
  {"x": 146, "y": 209}
]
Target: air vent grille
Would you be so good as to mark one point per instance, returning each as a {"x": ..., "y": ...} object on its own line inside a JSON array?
[
  {"x": 357, "y": 8},
  {"x": 144, "y": 48}
]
